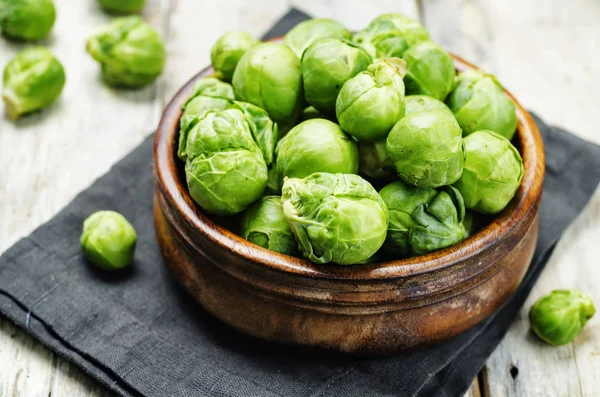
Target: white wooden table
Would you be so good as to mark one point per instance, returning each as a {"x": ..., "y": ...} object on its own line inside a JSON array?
[{"x": 547, "y": 53}]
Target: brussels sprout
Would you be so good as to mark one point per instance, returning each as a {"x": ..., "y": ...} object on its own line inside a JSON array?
[
  {"x": 130, "y": 52},
  {"x": 312, "y": 113},
  {"x": 269, "y": 77},
  {"x": 26, "y": 19},
  {"x": 316, "y": 145},
  {"x": 557, "y": 318},
  {"x": 492, "y": 172},
  {"x": 422, "y": 220},
  {"x": 225, "y": 168},
  {"x": 370, "y": 103},
  {"x": 416, "y": 103},
  {"x": 108, "y": 240},
  {"x": 263, "y": 129},
  {"x": 273, "y": 187},
  {"x": 305, "y": 33},
  {"x": 402, "y": 200},
  {"x": 427, "y": 149},
  {"x": 472, "y": 222},
  {"x": 479, "y": 103},
  {"x": 326, "y": 66},
  {"x": 209, "y": 95},
  {"x": 336, "y": 218},
  {"x": 122, "y": 6},
  {"x": 33, "y": 80},
  {"x": 373, "y": 160},
  {"x": 264, "y": 224},
  {"x": 390, "y": 35},
  {"x": 228, "y": 50},
  {"x": 429, "y": 70}
]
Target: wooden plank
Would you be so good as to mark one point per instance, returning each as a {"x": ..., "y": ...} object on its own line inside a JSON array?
[
  {"x": 474, "y": 390},
  {"x": 542, "y": 55},
  {"x": 47, "y": 158}
]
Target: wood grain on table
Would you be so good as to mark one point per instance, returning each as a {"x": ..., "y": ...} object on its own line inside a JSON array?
[{"x": 546, "y": 53}]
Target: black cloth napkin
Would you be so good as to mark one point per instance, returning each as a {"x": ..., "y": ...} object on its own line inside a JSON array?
[{"x": 140, "y": 335}]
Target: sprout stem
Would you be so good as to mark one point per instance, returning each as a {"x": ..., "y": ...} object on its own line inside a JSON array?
[{"x": 11, "y": 104}]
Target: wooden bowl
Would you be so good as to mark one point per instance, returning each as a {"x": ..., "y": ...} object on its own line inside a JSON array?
[{"x": 376, "y": 309}]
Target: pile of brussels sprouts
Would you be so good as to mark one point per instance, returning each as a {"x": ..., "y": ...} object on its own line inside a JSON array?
[
  {"x": 130, "y": 52},
  {"x": 348, "y": 148}
]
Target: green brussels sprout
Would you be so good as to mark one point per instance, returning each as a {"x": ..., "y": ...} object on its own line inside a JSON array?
[
  {"x": 373, "y": 161},
  {"x": 33, "y": 80},
  {"x": 390, "y": 35},
  {"x": 26, "y": 19},
  {"x": 427, "y": 148},
  {"x": 108, "y": 240},
  {"x": 416, "y": 103},
  {"x": 130, "y": 52},
  {"x": 305, "y": 33},
  {"x": 273, "y": 187},
  {"x": 209, "y": 95},
  {"x": 264, "y": 224},
  {"x": 269, "y": 77},
  {"x": 557, "y": 318},
  {"x": 479, "y": 103},
  {"x": 263, "y": 129},
  {"x": 228, "y": 50},
  {"x": 472, "y": 222},
  {"x": 312, "y": 113},
  {"x": 429, "y": 70},
  {"x": 336, "y": 218},
  {"x": 326, "y": 66},
  {"x": 402, "y": 201},
  {"x": 492, "y": 172},
  {"x": 225, "y": 169},
  {"x": 370, "y": 103},
  {"x": 316, "y": 145},
  {"x": 122, "y": 6},
  {"x": 422, "y": 220}
]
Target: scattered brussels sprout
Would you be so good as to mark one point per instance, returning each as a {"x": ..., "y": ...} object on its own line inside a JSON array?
[
  {"x": 316, "y": 145},
  {"x": 108, "y": 240},
  {"x": 479, "y": 103},
  {"x": 305, "y": 33},
  {"x": 209, "y": 95},
  {"x": 370, "y": 103},
  {"x": 225, "y": 169},
  {"x": 336, "y": 218},
  {"x": 264, "y": 224},
  {"x": 26, "y": 19},
  {"x": 373, "y": 160},
  {"x": 427, "y": 149},
  {"x": 326, "y": 66},
  {"x": 269, "y": 77},
  {"x": 122, "y": 6},
  {"x": 416, "y": 103},
  {"x": 228, "y": 50},
  {"x": 492, "y": 172},
  {"x": 390, "y": 35},
  {"x": 429, "y": 70},
  {"x": 263, "y": 129},
  {"x": 312, "y": 113},
  {"x": 33, "y": 80},
  {"x": 422, "y": 220},
  {"x": 130, "y": 52},
  {"x": 557, "y": 318}
]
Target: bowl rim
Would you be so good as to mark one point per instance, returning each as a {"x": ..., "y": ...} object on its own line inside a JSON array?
[{"x": 526, "y": 199}]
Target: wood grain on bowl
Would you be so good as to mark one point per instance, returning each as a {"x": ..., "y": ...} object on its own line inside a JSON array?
[{"x": 378, "y": 309}]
